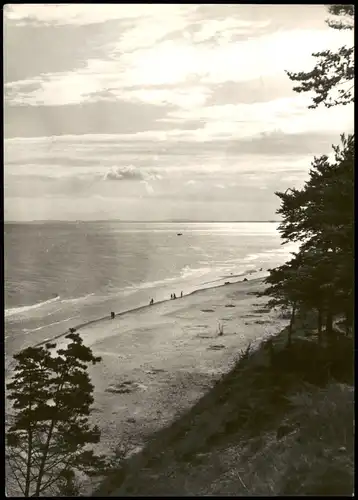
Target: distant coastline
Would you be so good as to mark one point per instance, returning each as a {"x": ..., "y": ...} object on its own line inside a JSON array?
[{"x": 143, "y": 221}]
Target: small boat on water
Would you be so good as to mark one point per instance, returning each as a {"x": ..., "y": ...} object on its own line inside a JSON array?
[{"x": 179, "y": 234}]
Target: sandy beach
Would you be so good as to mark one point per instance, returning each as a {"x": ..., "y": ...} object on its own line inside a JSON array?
[{"x": 157, "y": 361}]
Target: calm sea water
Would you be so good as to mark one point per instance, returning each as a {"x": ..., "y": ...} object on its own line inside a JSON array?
[{"x": 59, "y": 275}]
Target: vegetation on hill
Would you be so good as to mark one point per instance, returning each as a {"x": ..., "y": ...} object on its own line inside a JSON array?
[{"x": 279, "y": 423}]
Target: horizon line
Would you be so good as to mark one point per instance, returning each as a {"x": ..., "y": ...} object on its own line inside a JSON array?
[{"x": 173, "y": 221}]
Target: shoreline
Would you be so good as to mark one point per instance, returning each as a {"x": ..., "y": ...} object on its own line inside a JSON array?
[{"x": 144, "y": 307}]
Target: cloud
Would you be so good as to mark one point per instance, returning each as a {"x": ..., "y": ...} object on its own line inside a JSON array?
[
  {"x": 63, "y": 48},
  {"x": 109, "y": 117},
  {"x": 254, "y": 91},
  {"x": 176, "y": 101},
  {"x": 287, "y": 114},
  {"x": 288, "y": 16},
  {"x": 145, "y": 47},
  {"x": 178, "y": 72},
  {"x": 185, "y": 98},
  {"x": 129, "y": 173},
  {"x": 171, "y": 62},
  {"x": 165, "y": 155},
  {"x": 78, "y": 14},
  {"x": 148, "y": 187}
]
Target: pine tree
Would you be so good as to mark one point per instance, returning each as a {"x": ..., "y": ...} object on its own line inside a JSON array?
[
  {"x": 332, "y": 77},
  {"x": 321, "y": 214},
  {"x": 50, "y": 433},
  {"x": 320, "y": 217}
]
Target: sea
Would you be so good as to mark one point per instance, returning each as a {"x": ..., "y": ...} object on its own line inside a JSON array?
[{"x": 63, "y": 274}]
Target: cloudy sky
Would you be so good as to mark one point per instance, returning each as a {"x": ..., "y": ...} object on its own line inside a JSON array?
[{"x": 152, "y": 112}]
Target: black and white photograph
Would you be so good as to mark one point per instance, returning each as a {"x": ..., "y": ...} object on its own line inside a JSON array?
[{"x": 178, "y": 249}]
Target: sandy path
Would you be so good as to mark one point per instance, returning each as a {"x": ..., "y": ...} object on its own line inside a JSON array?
[{"x": 159, "y": 360}]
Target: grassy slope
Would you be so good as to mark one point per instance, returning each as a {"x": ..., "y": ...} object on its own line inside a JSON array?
[{"x": 279, "y": 423}]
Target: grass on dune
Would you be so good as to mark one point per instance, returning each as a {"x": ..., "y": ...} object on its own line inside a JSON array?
[{"x": 280, "y": 423}]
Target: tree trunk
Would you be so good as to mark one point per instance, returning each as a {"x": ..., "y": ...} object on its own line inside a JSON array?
[
  {"x": 290, "y": 328},
  {"x": 348, "y": 321},
  {"x": 329, "y": 324},
  {"x": 28, "y": 465},
  {"x": 44, "y": 458},
  {"x": 29, "y": 451},
  {"x": 271, "y": 352},
  {"x": 49, "y": 437},
  {"x": 319, "y": 325},
  {"x": 347, "y": 326}
]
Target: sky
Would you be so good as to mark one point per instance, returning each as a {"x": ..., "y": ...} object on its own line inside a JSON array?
[{"x": 160, "y": 111}]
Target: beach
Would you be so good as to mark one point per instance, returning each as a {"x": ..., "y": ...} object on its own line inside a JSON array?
[{"x": 158, "y": 360}]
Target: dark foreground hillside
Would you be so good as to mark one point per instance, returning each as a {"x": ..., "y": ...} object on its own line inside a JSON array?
[{"x": 280, "y": 423}]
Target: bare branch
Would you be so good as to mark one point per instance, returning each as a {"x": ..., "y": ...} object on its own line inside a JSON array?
[
  {"x": 53, "y": 481},
  {"x": 15, "y": 476}
]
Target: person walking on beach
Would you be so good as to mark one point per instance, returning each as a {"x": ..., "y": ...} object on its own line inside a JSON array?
[
  {"x": 112, "y": 315},
  {"x": 174, "y": 296},
  {"x": 171, "y": 296},
  {"x": 151, "y": 302},
  {"x": 181, "y": 294}
]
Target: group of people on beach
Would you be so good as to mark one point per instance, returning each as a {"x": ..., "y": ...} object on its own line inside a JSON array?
[
  {"x": 151, "y": 302},
  {"x": 172, "y": 296}
]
